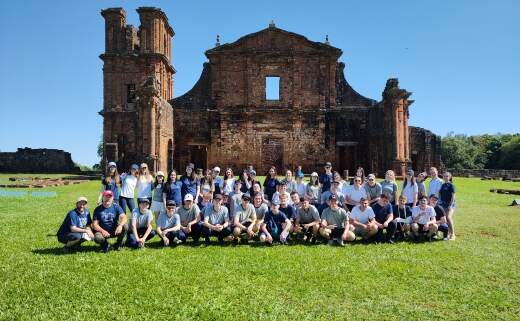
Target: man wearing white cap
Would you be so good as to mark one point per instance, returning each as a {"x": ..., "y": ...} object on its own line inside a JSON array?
[
  {"x": 189, "y": 214},
  {"x": 75, "y": 228},
  {"x": 217, "y": 180}
]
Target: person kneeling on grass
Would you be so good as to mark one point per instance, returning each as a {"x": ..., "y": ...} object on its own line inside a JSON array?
[
  {"x": 75, "y": 228},
  {"x": 261, "y": 209},
  {"x": 109, "y": 221},
  {"x": 440, "y": 216},
  {"x": 384, "y": 219},
  {"x": 423, "y": 220},
  {"x": 307, "y": 221},
  {"x": 140, "y": 229},
  {"x": 276, "y": 225},
  {"x": 362, "y": 220},
  {"x": 169, "y": 225},
  {"x": 245, "y": 217},
  {"x": 189, "y": 214},
  {"x": 216, "y": 221},
  {"x": 335, "y": 223},
  {"x": 402, "y": 217}
]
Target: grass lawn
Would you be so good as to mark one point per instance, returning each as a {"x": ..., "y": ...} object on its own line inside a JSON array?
[{"x": 475, "y": 277}]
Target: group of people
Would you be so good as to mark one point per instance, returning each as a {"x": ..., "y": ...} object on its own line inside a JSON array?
[{"x": 204, "y": 205}]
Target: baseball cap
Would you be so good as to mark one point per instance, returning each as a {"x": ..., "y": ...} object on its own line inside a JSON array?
[
  {"x": 333, "y": 197},
  {"x": 188, "y": 197},
  {"x": 314, "y": 174},
  {"x": 160, "y": 173},
  {"x": 216, "y": 169},
  {"x": 134, "y": 166},
  {"x": 252, "y": 172},
  {"x": 275, "y": 202},
  {"x": 328, "y": 164},
  {"x": 112, "y": 164},
  {"x": 410, "y": 172},
  {"x": 82, "y": 199},
  {"x": 217, "y": 197},
  {"x": 144, "y": 165},
  {"x": 434, "y": 196},
  {"x": 171, "y": 203},
  {"x": 246, "y": 197},
  {"x": 371, "y": 176},
  {"x": 143, "y": 200},
  {"x": 283, "y": 182},
  {"x": 108, "y": 193}
]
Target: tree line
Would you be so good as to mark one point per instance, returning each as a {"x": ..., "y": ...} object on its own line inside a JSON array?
[{"x": 499, "y": 151}]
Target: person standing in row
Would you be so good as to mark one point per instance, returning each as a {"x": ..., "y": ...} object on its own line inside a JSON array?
[
  {"x": 190, "y": 184},
  {"x": 389, "y": 186},
  {"x": 172, "y": 189},
  {"x": 447, "y": 201},
  {"x": 157, "y": 195},
  {"x": 128, "y": 184},
  {"x": 144, "y": 183},
  {"x": 313, "y": 190},
  {"x": 410, "y": 189},
  {"x": 373, "y": 189},
  {"x": 435, "y": 183},
  {"x": 111, "y": 181},
  {"x": 229, "y": 181},
  {"x": 327, "y": 177},
  {"x": 271, "y": 184}
]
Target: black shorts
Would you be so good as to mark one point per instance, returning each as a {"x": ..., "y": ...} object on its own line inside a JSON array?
[{"x": 337, "y": 232}]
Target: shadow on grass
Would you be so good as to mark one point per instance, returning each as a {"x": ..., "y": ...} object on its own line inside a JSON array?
[{"x": 59, "y": 250}]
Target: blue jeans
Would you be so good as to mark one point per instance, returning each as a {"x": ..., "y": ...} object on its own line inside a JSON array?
[
  {"x": 124, "y": 201},
  {"x": 132, "y": 241},
  {"x": 196, "y": 229}
]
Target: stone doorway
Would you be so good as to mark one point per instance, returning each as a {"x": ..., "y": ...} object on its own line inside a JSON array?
[
  {"x": 199, "y": 156},
  {"x": 272, "y": 153}
]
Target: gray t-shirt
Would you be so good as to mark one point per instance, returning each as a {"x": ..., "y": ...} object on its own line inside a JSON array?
[
  {"x": 142, "y": 219},
  {"x": 325, "y": 197},
  {"x": 389, "y": 189},
  {"x": 165, "y": 222},
  {"x": 373, "y": 191},
  {"x": 188, "y": 215},
  {"x": 309, "y": 216},
  {"x": 338, "y": 217},
  {"x": 247, "y": 214},
  {"x": 216, "y": 217},
  {"x": 235, "y": 199},
  {"x": 260, "y": 211}
]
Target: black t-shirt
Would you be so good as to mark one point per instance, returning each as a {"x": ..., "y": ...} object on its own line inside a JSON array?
[
  {"x": 382, "y": 212},
  {"x": 402, "y": 212},
  {"x": 439, "y": 213}
]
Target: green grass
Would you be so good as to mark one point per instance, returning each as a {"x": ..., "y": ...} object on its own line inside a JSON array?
[{"x": 475, "y": 277}]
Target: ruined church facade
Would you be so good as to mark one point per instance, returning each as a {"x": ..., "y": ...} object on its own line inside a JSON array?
[{"x": 227, "y": 119}]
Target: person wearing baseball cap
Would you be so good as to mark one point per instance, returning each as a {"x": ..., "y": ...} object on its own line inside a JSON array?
[
  {"x": 216, "y": 221},
  {"x": 373, "y": 189},
  {"x": 109, "y": 222},
  {"x": 217, "y": 180},
  {"x": 190, "y": 184},
  {"x": 140, "y": 229},
  {"x": 245, "y": 217},
  {"x": 276, "y": 225},
  {"x": 110, "y": 181},
  {"x": 128, "y": 184},
  {"x": 327, "y": 177},
  {"x": 307, "y": 222},
  {"x": 169, "y": 225},
  {"x": 189, "y": 214},
  {"x": 314, "y": 190},
  {"x": 75, "y": 228},
  {"x": 157, "y": 195},
  {"x": 335, "y": 223}
]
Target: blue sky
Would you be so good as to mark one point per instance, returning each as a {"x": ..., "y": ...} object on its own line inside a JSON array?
[{"x": 459, "y": 58}]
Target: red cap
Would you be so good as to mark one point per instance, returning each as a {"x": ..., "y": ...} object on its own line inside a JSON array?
[{"x": 108, "y": 193}]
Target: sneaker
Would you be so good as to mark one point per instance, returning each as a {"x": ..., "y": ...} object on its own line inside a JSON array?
[
  {"x": 331, "y": 242},
  {"x": 340, "y": 242},
  {"x": 176, "y": 241},
  {"x": 118, "y": 247},
  {"x": 446, "y": 239},
  {"x": 390, "y": 241},
  {"x": 105, "y": 247}
]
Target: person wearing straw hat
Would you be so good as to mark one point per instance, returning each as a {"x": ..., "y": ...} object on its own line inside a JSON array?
[{"x": 75, "y": 228}]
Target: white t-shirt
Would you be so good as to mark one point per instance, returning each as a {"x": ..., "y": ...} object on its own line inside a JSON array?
[
  {"x": 362, "y": 216},
  {"x": 435, "y": 186},
  {"x": 356, "y": 194},
  {"x": 128, "y": 183},
  {"x": 144, "y": 188},
  {"x": 410, "y": 191},
  {"x": 229, "y": 186},
  {"x": 423, "y": 216}
]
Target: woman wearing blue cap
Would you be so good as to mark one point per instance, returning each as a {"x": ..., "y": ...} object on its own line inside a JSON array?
[{"x": 111, "y": 181}]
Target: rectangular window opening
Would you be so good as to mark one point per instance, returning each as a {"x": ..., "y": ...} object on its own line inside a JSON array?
[{"x": 272, "y": 88}]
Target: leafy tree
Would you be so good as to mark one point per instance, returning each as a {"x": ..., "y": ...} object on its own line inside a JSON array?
[{"x": 510, "y": 155}]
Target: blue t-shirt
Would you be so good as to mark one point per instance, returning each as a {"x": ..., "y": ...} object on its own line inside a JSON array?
[
  {"x": 74, "y": 218},
  {"x": 446, "y": 193},
  {"x": 289, "y": 211},
  {"x": 189, "y": 186},
  {"x": 108, "y": 217},
  {"x": 219, "y": 185},
  {"x": 326, "y": 180},
  {"x": 270, "y": 185},
  {"x": 382, "y": 212},
  {"x": 112, "y": 186},
  {"x": 173, "y": 192},
  {"x": 274, "y": 222}
]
